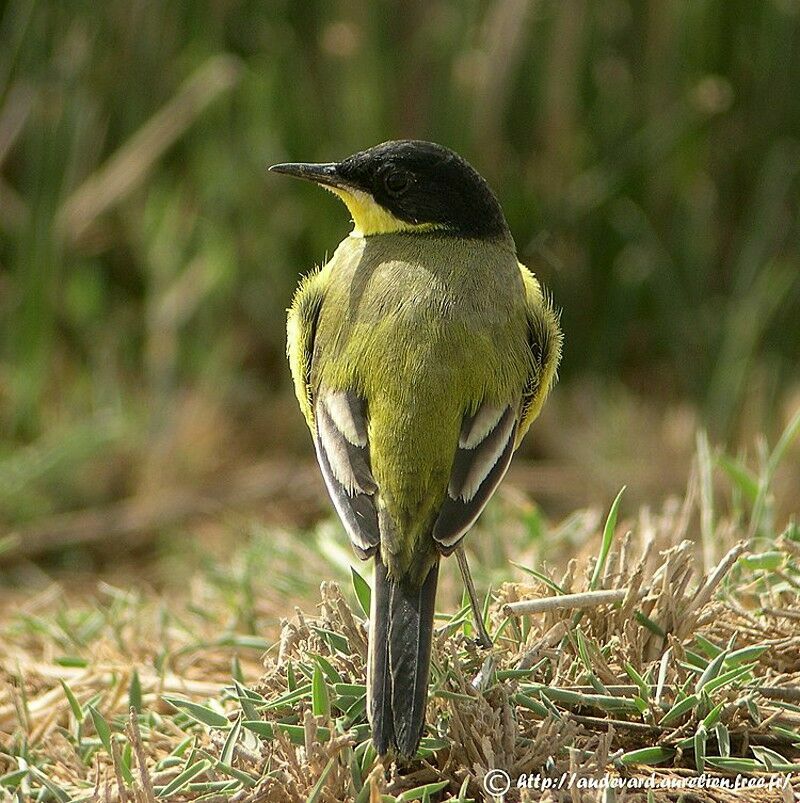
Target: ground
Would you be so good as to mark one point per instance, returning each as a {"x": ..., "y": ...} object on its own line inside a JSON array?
[{"x": 680, "y": 656}]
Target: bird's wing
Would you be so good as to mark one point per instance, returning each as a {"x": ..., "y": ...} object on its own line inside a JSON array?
[
  {"x": 490, "y": 435},
  {"x": 485, "y": 446},
  {"x": 301, "y": 327},
  {"x": 337, "y": 420},
  {"x": 343, "y": 455},
  {"x": 544, "y": 343}
]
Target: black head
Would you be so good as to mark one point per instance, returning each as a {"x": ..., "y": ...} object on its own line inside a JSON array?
[{"x": 420, "y": 184}]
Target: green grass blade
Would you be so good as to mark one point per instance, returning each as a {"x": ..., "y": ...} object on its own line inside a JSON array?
[
  {"x": 726, "y": 678},
  {"x": 320, "y": 697},
  {"x": 362, "y": 590},
  {"x": 74, "y": 705},
  {"x": 608, "y": 539},
  {"x": 723, "y": 737},
  {"x": 102, "y": 728},
  {"x": 316, "y": 791},
  {"x": 743, "y": 478},
  {"x": 784, "y": 442},
  {"x": 746, "y": 655},
  {"x": 181, "y": 782},
  {"x": 542, "y": 578},
  {"x": 644, "y": 687},
  {"x": 679, "y": 709},
  {"x": 420, "y": 792},
  {"x": 226, "y": 756},
  {"x": 135, "y": 693},
  {"x": 331, "y": 674},
  {"x": 200, "y": 713},
  {"x": 649, "y": 756},
  {"x": 700, "y": 738},
  {"x": 711, "y": 671},
  {"x": 748, "y": 765},
  {"x": 11, "y": 780}
]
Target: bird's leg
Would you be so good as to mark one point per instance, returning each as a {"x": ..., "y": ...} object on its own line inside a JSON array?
[{"x": 477, "y": 611}]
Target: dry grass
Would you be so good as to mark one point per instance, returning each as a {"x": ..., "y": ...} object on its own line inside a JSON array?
[{"x": 657, "y": 665}]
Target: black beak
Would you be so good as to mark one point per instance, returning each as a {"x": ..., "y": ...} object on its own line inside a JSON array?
[{"x": 320, "y": 173}]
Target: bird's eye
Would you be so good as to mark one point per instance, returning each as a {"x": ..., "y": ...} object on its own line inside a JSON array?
[{"x": 396, "y": 182}]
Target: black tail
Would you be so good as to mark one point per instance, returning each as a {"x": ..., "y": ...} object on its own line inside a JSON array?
[{"x": 401, "y": 629}]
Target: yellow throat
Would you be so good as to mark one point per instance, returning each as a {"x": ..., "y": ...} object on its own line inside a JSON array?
[{"x": 369, "y": 217}]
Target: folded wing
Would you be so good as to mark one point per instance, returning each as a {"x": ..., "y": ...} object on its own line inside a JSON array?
[
  {"x": 343, "y": 455},
  {"x": 485, "y": 447}
]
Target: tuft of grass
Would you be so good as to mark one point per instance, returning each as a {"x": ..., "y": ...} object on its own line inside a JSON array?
[
  {"x": 679, "y": 667},
  {"x": 646, "y": 158}
]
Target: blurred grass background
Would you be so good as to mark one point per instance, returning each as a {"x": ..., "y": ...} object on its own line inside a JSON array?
[{"x": 646, "y": 153}]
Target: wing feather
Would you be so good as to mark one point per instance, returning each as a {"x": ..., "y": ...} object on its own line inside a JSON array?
[
  {"x": 337, "y": 421},
  {"x": 343, "y": 456},
  {"x": 488, "y": 438},
  {"x": 301, "y": 329},
  {"x": 544, "y": 343},
  {"x": 478, "y": 467}
]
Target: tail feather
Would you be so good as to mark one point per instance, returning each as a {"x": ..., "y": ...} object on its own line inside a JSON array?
[
  {"x": 401, "y": 631},
  {"x": 379, "y": 687}
]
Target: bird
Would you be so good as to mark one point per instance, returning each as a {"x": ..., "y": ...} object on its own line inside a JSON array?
[{"x": 420, "y": 352}]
